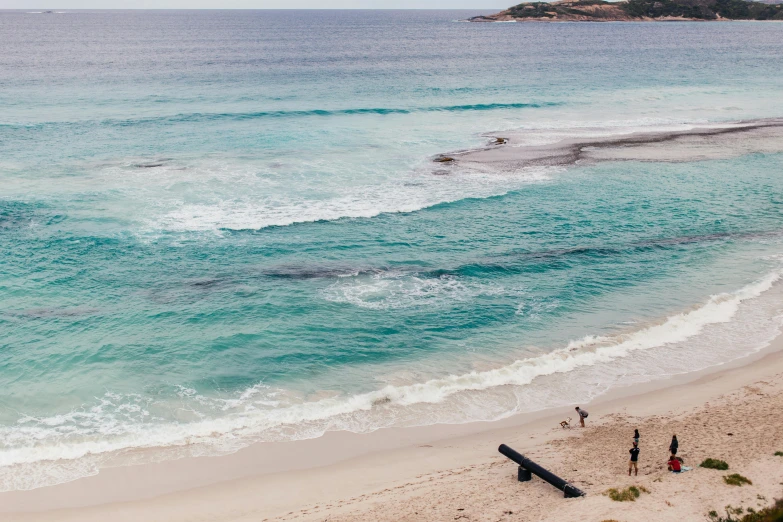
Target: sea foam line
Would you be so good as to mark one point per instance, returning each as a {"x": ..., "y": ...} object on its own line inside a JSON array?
[
  {"x": 359, "y": 203},
  {"x": 584, "y": 352}
]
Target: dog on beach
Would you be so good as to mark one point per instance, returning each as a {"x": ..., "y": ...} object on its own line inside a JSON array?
[{"x": 566, "y": 423}]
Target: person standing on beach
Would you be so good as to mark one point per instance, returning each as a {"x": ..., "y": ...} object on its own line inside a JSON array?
[
  {"x": 674, "y": 445},
  {"x": 636, "y": 436},
  {"x": 634, "y": 459},
  {"x": 582, "y": 416}
]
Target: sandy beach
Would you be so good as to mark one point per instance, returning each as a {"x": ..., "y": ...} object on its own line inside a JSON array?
[{"x": 455, "y": 472}]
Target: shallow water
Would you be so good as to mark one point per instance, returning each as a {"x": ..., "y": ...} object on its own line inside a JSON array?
[{"x": 223, "y": 227}]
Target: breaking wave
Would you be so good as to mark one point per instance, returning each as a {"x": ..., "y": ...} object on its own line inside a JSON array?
[
  {"x": 40, "y": 451},
  {"x": 415, "y": 193}
]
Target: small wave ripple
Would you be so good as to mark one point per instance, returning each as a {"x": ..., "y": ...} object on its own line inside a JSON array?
[{"x": 202, "y": 117}]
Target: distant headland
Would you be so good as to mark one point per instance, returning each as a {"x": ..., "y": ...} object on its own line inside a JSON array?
[{"x": 636, "y": 11}]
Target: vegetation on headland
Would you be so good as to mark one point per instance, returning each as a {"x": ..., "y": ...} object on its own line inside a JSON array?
[
  {"x": 639, "y": 10},
  {"x": 705, "y": 9},
  {"x": 560, "y": 9},
  {"x": 771, "y": 514}
]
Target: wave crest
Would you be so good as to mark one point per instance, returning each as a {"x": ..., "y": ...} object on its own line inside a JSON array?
[{"x": 202, "y": 117}]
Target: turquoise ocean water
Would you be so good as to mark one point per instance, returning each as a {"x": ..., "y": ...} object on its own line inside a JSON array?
[{"x": 218, "y": 227}]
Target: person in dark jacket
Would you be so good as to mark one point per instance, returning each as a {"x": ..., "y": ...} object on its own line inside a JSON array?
[
  {"x": 582, "y": 415},
  {"x": 636, "y": 436},
  {"x": 633, "y": 463},
  {"x": 674, "y": 445}
]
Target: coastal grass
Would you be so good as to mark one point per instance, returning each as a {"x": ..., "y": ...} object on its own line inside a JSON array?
[
  {"x": 735, "y": 479},
  {"x": 715, "y": 464},
  {"x": 629, "y": 494},
  {"x": 779, "y": 453},
  {"x": 773, "y": 513}
]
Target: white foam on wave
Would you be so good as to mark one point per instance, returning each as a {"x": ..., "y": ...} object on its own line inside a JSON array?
[
  {"x": 216, "y": 192},
  {"x": 267, "y": 201},
  {"x": 411, "y": 193},
  {"x": 589, "y": 350},
  {"x": 394, "y": 289},
  {"x": 44, "y": 451}
]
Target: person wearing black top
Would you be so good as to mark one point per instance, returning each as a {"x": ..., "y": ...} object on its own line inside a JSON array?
[
  {"x": 674, "y": 445},
  {"x": 634, "y": 459}
]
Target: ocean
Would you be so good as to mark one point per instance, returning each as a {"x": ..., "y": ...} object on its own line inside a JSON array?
[{"x": 225, "y": 227}]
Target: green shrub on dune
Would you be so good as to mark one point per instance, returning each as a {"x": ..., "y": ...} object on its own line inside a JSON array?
[
  {"x": 629, "y": 494},
  {"x": 715, "y": 464},
  {"x": 771, "y": 514},
  {"x": 735, "y": 479}
]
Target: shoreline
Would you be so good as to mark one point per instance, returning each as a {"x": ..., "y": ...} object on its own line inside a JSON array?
[{"x": 339, "y": 465}]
